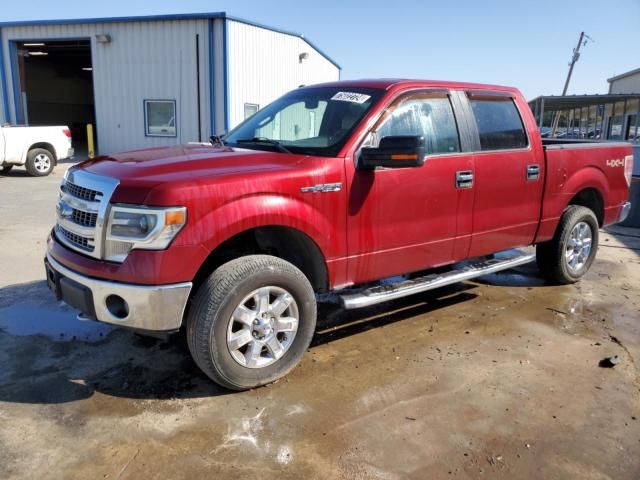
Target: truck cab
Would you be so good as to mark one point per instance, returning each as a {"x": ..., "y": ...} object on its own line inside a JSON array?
[{"x": 331, "y": 187}]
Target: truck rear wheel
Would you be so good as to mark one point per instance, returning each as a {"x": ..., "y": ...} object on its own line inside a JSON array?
[
  {"x": 40, "y": 162},
  {"x": 251, "y": 321},
  {"x": 567, "y": 257}
]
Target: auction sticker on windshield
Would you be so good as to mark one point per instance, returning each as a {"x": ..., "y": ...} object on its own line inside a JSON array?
[{"x": 351, "y": 97}]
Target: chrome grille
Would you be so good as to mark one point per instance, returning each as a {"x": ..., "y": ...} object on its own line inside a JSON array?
[
  {"x": 79, "y": 192},
  {"x": 86, "y": 219},
  {"x": 82, "y": 209},
  {"x": 79, "y": 241}
]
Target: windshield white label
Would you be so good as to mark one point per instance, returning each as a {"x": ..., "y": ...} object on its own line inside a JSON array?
[{"x": 351, "y": 97}]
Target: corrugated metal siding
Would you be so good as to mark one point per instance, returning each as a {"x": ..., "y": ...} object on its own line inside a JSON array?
[
  {"x": 630, "y": 84},
  {"x": 219, "y": 75},
  {"x": 4, "y": 118},
  {"x": 263, "y": 65},
  {"x": 145, "y": 60}
]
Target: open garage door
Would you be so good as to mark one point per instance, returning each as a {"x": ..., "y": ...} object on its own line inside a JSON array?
[{"x": 56, "y": 79}]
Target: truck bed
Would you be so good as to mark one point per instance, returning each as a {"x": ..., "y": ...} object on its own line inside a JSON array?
[
  {"x": 572, "y": 164},
  {"x": 570, "y": 143}
]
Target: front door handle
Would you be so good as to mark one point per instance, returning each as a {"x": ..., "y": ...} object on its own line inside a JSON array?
[
  {"x": 464, "y": 179},
  {"x": 533, "y": 172}
]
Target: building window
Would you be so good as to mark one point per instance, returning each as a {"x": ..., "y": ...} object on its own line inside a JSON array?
[
  {"x": 250, "y": 109},
  {"x": 160, "y": 118},
  {"x": 615, "y": 128},
  {"x": 633, "y": 129},
  {"x": 616, "y": 122}
]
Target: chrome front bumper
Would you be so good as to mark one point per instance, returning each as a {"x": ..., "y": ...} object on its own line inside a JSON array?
[
  {"x": 624, "y": 212},
  {"x": 153, "y": 308}
]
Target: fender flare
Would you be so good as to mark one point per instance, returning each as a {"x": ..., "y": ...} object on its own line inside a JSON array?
[
  {"x": 261, "y": 210},
  {"x": 31, "y": 145},
  {"x": 588, "y": 177}
]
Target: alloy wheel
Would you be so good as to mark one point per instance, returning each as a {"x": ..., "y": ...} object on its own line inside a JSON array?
[
  {"x": 578, "y": 246},
  {"x": 262, "y": 327}
]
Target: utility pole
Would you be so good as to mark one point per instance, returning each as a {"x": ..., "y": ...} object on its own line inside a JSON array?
[
  {"x": 576, "y": 55},
  {"x": 574, "y": 59}
]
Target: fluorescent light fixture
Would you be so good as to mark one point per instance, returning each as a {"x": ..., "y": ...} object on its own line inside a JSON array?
[
  {"x": 87, "y": 69},
  {"x": 34, "y": 44},
  {"x": 103, "y": 38},
  {"x": 37, "y": 54}
]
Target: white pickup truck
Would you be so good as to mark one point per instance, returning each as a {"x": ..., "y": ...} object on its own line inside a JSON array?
[{"x": 37, "y": 148}]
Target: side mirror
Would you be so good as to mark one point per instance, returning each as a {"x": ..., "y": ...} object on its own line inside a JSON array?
[{"x": 394, "y": 152}]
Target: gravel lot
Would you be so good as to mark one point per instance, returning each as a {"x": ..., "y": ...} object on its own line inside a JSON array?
[{"x": 497, "y": 378}]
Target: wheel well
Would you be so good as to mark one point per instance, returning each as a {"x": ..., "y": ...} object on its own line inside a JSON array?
[
  {"x": 45, "y": 146},
  {"x": 591, "y": 199},
  {"x": 287, "y": 243}
]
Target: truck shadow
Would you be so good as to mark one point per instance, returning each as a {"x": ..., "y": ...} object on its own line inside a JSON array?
[
  {"x": 19, "y": 171},
  {"x": 335, "y": 323},
  {"x": 15, "y": 172},
  {"x": 629, "y": 237},
  {"x": 522, "y": 276},
  {"x": 55, "y": 368}
]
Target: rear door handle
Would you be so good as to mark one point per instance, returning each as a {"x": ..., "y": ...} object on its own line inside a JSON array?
[
  {"x": 533, "y": 172},
  {"x": 464, "y": 179}
]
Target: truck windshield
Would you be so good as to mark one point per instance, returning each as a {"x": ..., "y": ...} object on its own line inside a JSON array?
[{"x": 311, "y": 121}]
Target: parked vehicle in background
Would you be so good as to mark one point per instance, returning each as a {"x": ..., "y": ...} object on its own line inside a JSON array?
[
  {"x": 330, "y": 188},
  {"x": 37, "y": 148}
]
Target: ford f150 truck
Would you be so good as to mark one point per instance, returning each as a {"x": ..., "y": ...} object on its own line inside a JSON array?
[
  {"x": 37, "y": 148},
  {"x": 329, "y": 188}
]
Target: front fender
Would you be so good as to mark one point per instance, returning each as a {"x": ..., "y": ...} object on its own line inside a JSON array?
[{"x": 264, "y": 209}]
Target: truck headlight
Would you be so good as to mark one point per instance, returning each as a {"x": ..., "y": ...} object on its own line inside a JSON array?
[{"x": 145, "y": 228}]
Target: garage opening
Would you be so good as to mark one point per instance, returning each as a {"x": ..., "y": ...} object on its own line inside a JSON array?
[{"x": 56, "y": 79}]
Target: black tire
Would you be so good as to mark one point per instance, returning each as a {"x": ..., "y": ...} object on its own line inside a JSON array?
[
  {"x": 40, "y": 162},
  {"x": 551, "y": 256},
  {"x": 6, "y": 168},
  {"x": 215, "y": 302}
]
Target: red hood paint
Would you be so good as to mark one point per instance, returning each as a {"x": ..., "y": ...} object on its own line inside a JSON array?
[{"x": 141, "y": 171}]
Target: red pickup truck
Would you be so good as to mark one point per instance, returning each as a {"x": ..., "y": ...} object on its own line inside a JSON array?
[{"x": 329, "y": 188}]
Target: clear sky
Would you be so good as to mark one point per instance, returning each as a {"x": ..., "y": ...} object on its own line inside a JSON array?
[{"x": 509, "y": 42}]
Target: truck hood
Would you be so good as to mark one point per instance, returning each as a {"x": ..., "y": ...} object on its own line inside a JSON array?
[{"x": 140, "y": 171}]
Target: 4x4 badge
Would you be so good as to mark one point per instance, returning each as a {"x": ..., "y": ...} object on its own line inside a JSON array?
[{"x": 615, "y": 163}]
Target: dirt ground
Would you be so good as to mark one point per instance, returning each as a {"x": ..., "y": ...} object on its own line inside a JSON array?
[{"x": 497, "y": 378}]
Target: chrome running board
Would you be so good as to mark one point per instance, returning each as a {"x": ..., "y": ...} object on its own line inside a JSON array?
[{"x": 384, "y": 293}]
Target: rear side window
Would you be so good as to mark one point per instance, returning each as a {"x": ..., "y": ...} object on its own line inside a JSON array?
[{"x": 499, "y": 124}]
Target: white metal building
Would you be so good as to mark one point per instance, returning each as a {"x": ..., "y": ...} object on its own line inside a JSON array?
[
  {"x": 150, "y": 81},
  {"x": 628, "y": 82}
]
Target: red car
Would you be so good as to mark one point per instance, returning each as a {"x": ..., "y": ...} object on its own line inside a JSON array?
[{"x": 329, "y": 188}]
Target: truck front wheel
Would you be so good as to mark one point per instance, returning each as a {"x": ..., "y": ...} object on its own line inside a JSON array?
[
  {"x": 568, "y": 256},
  {"x": 251, "y": 321}
]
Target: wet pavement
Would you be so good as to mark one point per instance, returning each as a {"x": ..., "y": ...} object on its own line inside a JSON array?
[{"x": 496, "y": 378}]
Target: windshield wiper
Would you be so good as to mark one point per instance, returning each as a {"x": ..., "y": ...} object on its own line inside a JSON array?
[{"x": 266, "y": 140}]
